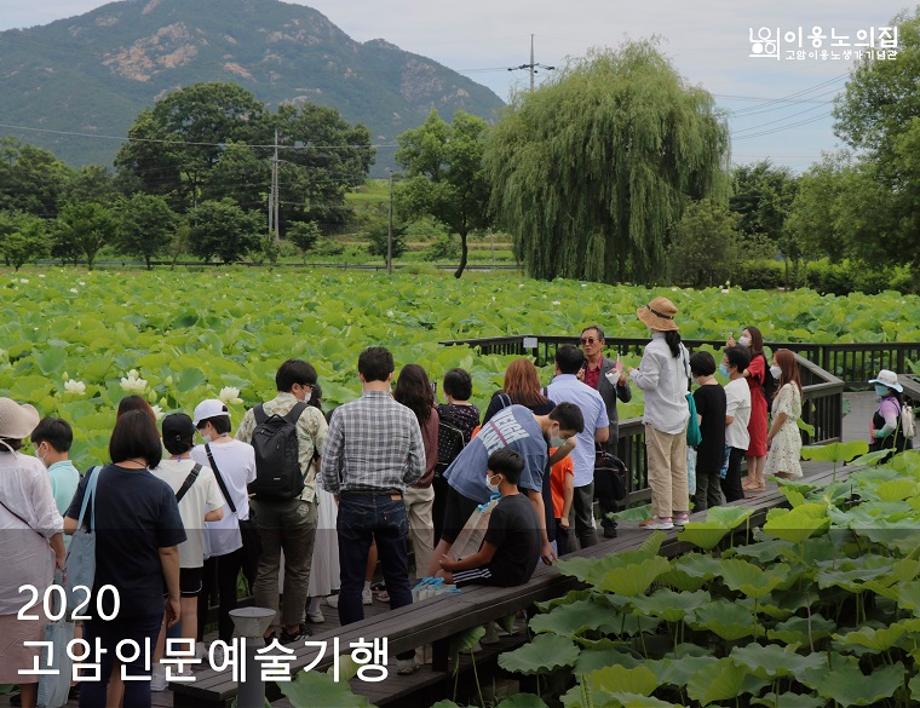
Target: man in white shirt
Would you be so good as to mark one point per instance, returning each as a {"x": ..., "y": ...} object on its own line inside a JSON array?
[
  {"x": 737, "y": 415},
  {"x": 566, "y": 388}
]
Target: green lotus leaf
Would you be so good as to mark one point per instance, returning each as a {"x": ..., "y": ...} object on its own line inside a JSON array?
[
  {"x": 909, "y": 596},
  {"x": 593, "y": 659},
  {"x": 795, "y": 630},
  {"x": 761, "y": 551},
  {"x": 522, "y": 700},
  {"x": 717, "y": 681},
  {"x": 850, "y": 574},
  {"x": 678, "y": 671},
  {"x": 569, "y": 620},
  {"x": 51, "y": 360},
  {"x": 669, "y": 605},
  {"x": 545, "y": 653},
  {"x": 593, "y": 570},
  {"x": 797, "y": 524},
  {"x": 772, "y": 661},
  {"x": 871, "y": 458},
  {"x": 837, "y": 452},
  {"x": 638, "y": 679},
  {"x": 637, "y": 700},
  {"x": 726, "y": 619},
  {"x": 794, "y": 496},
  {"x": 635, "y": 578},
  {"x": 897, "y": 489},
  {"x": 789, "y": 700},
  {"x": 315, "y": 688},
  {"x": 740, "y": 575},
  {"x": 567, "y": 599},
  {"x": 633, "y": 514},
  {"x": 703, "y": 534},
  {"x": 914, "y": 686},
  {"x": 879, "y": 639},
  {"x": 846, "y": 684},
  {"x": 731, "y": 517},
  {"x": 691, "y": 571}
]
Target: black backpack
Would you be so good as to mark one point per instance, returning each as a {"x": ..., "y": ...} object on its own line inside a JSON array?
[{"x": 278, "y": 473}]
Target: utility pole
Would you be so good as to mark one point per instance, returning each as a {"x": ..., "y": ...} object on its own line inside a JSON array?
[
  {"x": 533, "y": 67},
  {"x": 390, "y": 230},
  {"x": 275, "y": 189}
]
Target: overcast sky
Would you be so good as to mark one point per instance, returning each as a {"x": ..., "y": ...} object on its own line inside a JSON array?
[{"x": 707, "y": 41}]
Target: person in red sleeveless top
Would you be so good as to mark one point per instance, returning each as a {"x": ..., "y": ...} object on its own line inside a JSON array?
[{"x": 756, "y": 373}]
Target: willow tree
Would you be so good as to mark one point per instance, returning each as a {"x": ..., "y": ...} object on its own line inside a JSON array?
[{"x": 591, "y": 172}]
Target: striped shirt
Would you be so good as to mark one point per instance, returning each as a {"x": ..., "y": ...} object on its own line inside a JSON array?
[{"x": 373, "y": 444}]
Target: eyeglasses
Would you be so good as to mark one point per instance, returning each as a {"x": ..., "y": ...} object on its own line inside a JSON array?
[{"x": 589, "y": 340}]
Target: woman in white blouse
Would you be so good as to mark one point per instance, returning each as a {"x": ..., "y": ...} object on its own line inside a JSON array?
[
  {"x": 784, "y": 442},
  {"x": 31, "y": 544}
]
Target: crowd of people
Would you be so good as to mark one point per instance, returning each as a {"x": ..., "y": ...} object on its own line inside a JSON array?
[{"x": 304, "y": 505}]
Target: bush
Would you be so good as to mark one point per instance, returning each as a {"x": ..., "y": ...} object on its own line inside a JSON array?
[
  {"x": 443, "y": 248},
  {"x": 763, "y": 275},
  {"x": 848, "y": 276},
  {"x": 705, "y": 247},
  {"x": 328, "y": 247}
]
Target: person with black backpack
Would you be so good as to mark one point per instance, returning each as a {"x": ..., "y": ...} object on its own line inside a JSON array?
[{"x": 285, "y": 433}]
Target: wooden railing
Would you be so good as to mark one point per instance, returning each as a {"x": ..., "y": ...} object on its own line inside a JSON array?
[
  {"x": 822, "y": 404},
  {"x": 854, "y": 363}
]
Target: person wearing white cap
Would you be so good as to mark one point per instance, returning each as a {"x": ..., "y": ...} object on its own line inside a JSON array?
[
  {"x": 231, "y": 543},
  {"x": 31, "y": 543},
  {"x": 892, "y": 422}
]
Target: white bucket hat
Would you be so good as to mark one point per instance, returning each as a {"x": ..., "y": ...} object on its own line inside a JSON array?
[
  {"x": 17, "y": 421},
  {"x": 888, "y": 378},
  {"x": 209, "y": 408}
]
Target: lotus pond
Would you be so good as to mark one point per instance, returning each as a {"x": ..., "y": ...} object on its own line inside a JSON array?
[{"x": 69, "y": 339}]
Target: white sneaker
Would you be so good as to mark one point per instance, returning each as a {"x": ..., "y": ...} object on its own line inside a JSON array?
[
  {"x": 367, "y": 596},
  {"x": 681, "y": 520},
  {"x": 333, "y": 601},
  {"x": 158, "y": 678},
  {"x": 657, "y": 523},
  {"x": 316, "y": 617},
  {"x": 407, "y": 666},
  {"x": 201, "y": 651}
]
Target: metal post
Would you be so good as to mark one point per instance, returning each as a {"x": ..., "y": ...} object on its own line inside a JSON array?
[
  {"x": 533, "y": 66},
  {"x": 276, "y": 190},
  {"x": 250, "y": 624},
  {"x": 390, "y": 230}
]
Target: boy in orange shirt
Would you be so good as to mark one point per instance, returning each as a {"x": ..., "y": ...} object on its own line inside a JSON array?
[{"x": 562, "y": 486}]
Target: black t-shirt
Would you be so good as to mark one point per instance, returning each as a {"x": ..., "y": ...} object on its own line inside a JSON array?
[
  {"x": 514, "y": 531},
  {"x": 710, "y": 404},
  {"x": 136, "y": 515}
]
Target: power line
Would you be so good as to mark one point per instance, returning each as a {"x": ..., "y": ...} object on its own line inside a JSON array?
[
  {"x": 780, "y": 129},
  {"x": 757, "y": 127}
]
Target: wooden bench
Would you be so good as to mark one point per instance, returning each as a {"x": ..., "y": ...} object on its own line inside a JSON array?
[{"x": 436, "y": 620}]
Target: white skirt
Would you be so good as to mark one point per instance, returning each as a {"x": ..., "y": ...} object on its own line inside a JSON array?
[{"x": 324, "y": 570}]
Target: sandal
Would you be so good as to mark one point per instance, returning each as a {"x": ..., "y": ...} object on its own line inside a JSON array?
[{"x": 380, "y": 592}]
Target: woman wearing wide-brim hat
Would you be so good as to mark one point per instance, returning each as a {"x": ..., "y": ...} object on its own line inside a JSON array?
[
  {"x": 663, "y": 375},
  {"x": 31, "y": 543},
  {"x": 887, "y": 429}
]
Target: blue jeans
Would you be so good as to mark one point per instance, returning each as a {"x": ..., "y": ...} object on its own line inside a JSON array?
[
  {"x": 137, "y": 693},
  {"x": 363, "y": 518}
]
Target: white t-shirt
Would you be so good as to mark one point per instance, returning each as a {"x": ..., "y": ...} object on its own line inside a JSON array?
[
  {"x": 236, "y": 464},
  {"x": 203, "y": 496},
  {"x": 738, "y": 405}
]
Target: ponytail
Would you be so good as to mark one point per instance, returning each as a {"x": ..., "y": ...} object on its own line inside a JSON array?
[{"x": 672, "y": 337}]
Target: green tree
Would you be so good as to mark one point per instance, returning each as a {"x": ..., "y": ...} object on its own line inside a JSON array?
[
  {"x": 878, "y": 116},
  {"x": 446, "y": 176},
  {"x": 177, "y": 143},
  {"x": 91, "y": 183},
  {"x": 84, "y": 228},
  {"x": 591, "y": 172},
  {"x": 705, "y": 250},
  {"x": 304, "y": 235},
  {"x": 23, "y": 238},
  {"x": 146, "y": 226},
  {"x": 220, "y": 229},
  {"x": 375, "y": 228},
  {"x": 31, "y": 179}
]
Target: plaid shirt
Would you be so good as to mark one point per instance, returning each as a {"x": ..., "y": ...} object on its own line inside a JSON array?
[
  {"x": 374, "y": 443},
  {"x": 311, "y": 435}
]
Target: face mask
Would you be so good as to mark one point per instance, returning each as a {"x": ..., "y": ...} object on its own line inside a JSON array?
[
  {"x": 556, "y": 441},
  {"x": 493, "y": 486},
  {"x": 744, "y": 341},
  {"x": 776, "y": 372},
  {"x": 723, "y": 370},
  {"x": 205, "y": 436},
  {"x": 881, "y": 390}
]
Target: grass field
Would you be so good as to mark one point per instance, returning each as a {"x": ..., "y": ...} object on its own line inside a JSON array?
[{"x": 191, "y": 333}]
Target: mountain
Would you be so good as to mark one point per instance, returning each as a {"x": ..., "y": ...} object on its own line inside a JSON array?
[{"x": 94, "y": 73}]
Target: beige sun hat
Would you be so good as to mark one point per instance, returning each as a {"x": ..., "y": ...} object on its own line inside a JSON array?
[
  {"x": 17, "y": 421},
  {"x": 659, "y": 315}
]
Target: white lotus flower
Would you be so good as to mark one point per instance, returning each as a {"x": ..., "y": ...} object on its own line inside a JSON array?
[
  {"x": 77, "y": 388},
  {"x": 41, "y": 275},
  {"x": 725, "y": 291},
  {"x": 82, "y": 282},
  {"x": 158, "y": 412},
  {"x": 24, "y": 281},
  {"x": 390, "y": 313},
  {"x": 75, "y": 291},
  {"x": 133, "y": 383},
  {"x": 230, "y": 395},
  {"x": 556, "y": 302}
]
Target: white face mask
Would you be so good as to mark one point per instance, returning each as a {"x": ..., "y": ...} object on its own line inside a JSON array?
[
  {"x": 776, "y": 372},
  {"x": 205, "y": 436},
  {"x": 493, "y": 486},
  {"x": 744, "y": 341},
  {"x": 40, "y": 457}
]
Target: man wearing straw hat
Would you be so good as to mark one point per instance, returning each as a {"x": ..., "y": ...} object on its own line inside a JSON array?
[
  {"x": 663, "y": 375},
  {"x": 31, "y": 543}
]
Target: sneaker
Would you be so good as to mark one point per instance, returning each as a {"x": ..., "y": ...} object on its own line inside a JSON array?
[
  {"x": 316, "y": 617},
  {"x": 201, "y": 651},
  {"x": 681, "y": 519},
  {"x": 300, "y": 635},
  {"x": 158, "y": 679},
  {"x": 333, "y": 601},
  {"x": 367, "y": 596},
  {"x": 657, "y": 524},
  {"x": 405, "y": 667},
  {"x": 610, "y": 532}
]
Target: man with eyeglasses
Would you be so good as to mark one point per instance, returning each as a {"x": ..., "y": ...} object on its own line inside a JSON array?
[{"x": 600, "y": 373}]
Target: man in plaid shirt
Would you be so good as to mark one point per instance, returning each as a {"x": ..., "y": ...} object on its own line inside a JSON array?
[{"x": 373, "y": 451}]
